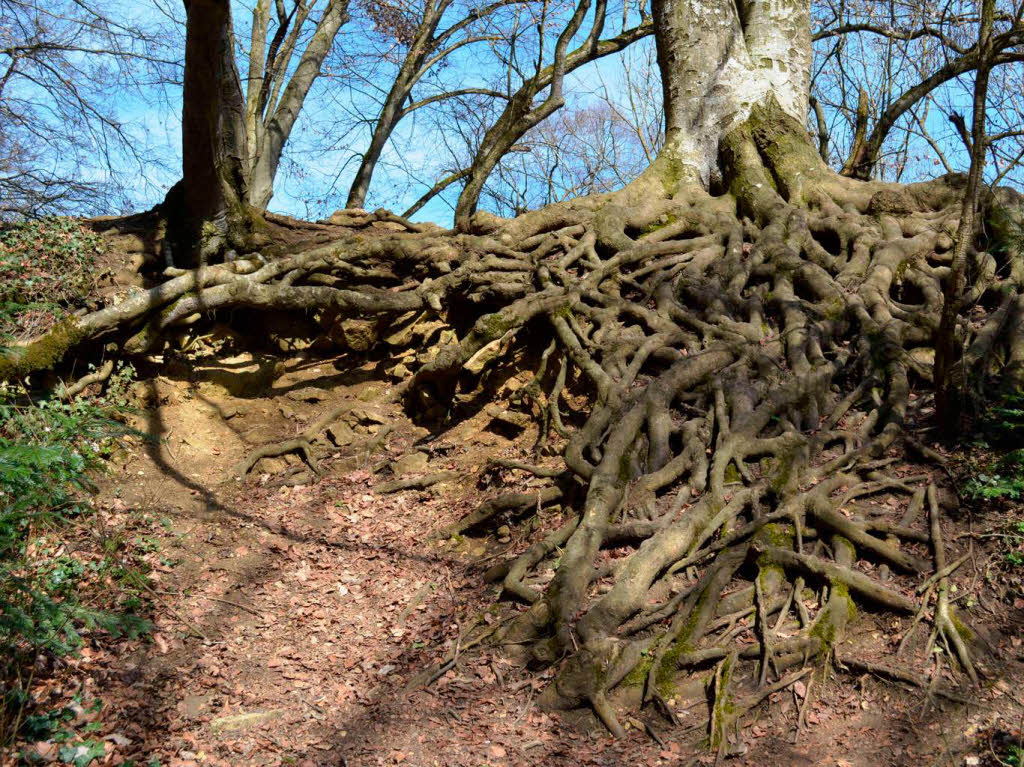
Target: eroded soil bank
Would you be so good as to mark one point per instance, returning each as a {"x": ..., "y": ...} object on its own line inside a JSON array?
[{"x": 294, "y": 619}]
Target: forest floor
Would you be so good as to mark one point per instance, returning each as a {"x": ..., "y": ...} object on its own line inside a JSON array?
[{"x": 293, "y": 618}]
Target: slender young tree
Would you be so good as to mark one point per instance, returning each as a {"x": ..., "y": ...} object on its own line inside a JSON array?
[
  {"x": 428, "y": 46},
  {"x": 278, "y": 81},
  {"x": 947, "y": 400}
]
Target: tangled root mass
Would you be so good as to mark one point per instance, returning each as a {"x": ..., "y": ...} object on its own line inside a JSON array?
[{"x": 747, "y": 359}]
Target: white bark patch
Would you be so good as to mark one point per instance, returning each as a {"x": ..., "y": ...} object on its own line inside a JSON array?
[{"x": 718, "y": 70}]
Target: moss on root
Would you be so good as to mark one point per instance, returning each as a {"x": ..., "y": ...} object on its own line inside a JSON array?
[{"x": 42, "y": 353}]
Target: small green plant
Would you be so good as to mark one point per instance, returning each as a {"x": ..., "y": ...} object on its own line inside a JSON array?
[
  {"x": 46, "y": 266},
  {"x": 1015, "y": 756},
  {"x": 47, "y": 450},
  {"x": 83, "y": 753},
  {"x": 1001, "y": 427}
]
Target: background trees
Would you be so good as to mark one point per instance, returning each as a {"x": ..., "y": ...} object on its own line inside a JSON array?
[
  {"x": 438, "y": 105},
  {"x": 73, "y": 76}
]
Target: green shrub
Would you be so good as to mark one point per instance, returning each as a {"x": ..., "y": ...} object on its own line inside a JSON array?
[
  {"x": 46, "y": 266},
  {"x": 47, "y": 451},
  {"x": 1002, "y": 476}
]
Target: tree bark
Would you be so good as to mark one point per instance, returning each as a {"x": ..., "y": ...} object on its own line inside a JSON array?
[
  {"x": 210, "y": 201},
  {"x": 718, "y": 60}
]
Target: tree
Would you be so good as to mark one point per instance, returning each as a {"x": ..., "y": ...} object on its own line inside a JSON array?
[
  {"x": 210, "y": 206},
  {"x": 946, "y": 406},
  {"x": 232, "y": 142},
  {"x": 523, "y": 110},
  {"x": 66, "y": 68},
  {"x": 273, "y": 99},
  {"x": 902, "y": 54},
  {"x": 426, "y": 47},
  {"x": 739, "y": 337}
]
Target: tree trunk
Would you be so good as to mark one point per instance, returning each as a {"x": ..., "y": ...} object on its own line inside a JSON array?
[
  {"x": 947, "y": 403},
  {"x": 211, "y": 207},
  {"x": 277, "y": 127},
  {"x": 717, "y": 62},
  {"x": 389, "y": 116}
]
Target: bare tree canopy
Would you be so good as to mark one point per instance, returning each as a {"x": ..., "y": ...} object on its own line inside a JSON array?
[{"x": 66, "y": 69}]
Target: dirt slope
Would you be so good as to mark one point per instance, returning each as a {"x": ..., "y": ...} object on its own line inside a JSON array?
[{"x": 293, "y": 616}]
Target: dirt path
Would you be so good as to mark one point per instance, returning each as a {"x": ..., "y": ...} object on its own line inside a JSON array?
[{"x": 290, "y": 621}]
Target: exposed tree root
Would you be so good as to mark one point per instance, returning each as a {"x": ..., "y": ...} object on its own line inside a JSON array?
[
  {"x": 416, "y": 483},
  {"x": 727, "y": 378},
  {"x": 98, "y": 376}
]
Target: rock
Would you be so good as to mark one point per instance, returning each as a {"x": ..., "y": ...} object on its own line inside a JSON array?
[
  {"x": 291, "y": 343},
  {"x": 308, "y": 394},
  {"x": 366, "y": 414},
  {"x": 246, "y": 721},
  {"x": 404, "y": 333},
  {"x": 370, "y": 393},
  {"x": 287, "y": 332},
  {"x": 345, "y": 216},
  {"x": 410, "y": 463},
  {"x": 486, "y": 354},
  {"x": 139, "y": 260},
  {"x": 272, "y": 465},
  {"x": 358, "y": 335},
  {"x": 128, "y": 278},
  {"x": 341, "y": 434},
  {"x": 400, "y": 371},
  {"x": 498, "y": 413}
]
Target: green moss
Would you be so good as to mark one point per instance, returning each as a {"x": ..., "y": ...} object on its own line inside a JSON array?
[
  {"x": 834, "y": 309},
  {"x": 784, "y": 144},
  {"x": 825, "y": 630},
  {"x": 665, "y": 219},
  {"x": 43, "y": 353},
  {"x": 777, "y": 534},
  {"x": 769, "y": 574},
  {"x": 493, "y": 326},
  {"x": 672, "y": 172},
  {"x": 901, "y": 270},
  {"x": 723, "y": 710},
  {"x": 961, "y": 628},
  {"x": 638, "y": 676},
  {"x": 732, "y": 474},
  {"x": 828, "y": 626},
  {"x": 783, "y": 473},
  {"x": 625, "y": 468}
]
